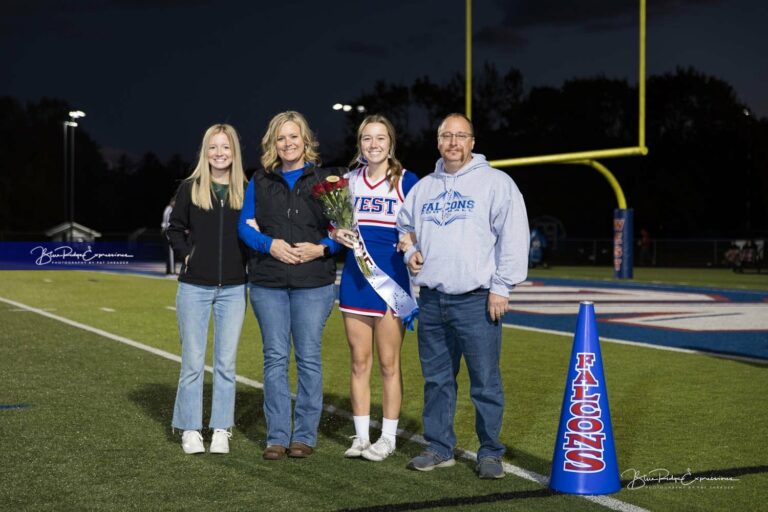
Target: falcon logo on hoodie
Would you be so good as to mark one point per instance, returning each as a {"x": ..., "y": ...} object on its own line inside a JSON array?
[{"x": 447, "y": 207}]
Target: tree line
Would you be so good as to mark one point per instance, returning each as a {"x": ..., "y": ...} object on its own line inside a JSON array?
[{"x": 706, "y": 174}]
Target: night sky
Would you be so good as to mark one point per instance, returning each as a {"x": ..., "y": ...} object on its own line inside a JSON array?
[{"x": 152, "y": 75}]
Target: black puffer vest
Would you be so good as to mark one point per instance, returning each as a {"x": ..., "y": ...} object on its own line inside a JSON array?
[{"x": 294, "y": 216}]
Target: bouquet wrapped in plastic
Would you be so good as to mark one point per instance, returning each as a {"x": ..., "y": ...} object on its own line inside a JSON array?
[{"x": 333, "y": 194}]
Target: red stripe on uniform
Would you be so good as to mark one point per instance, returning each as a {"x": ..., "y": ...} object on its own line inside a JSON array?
[
  {"x": 371, "y": 221},
  {"x": 362, "y": 311}
]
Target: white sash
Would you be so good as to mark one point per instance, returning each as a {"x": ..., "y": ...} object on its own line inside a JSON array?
[{"x": 401, "y": 302}]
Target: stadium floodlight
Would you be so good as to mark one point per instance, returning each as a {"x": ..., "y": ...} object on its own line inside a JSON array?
[
  {"x": 348, "y": 108},
  {"x": 69, "y": 166}
]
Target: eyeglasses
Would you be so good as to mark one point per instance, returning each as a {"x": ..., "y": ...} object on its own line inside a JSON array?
[{"x": 448, "y": 136}]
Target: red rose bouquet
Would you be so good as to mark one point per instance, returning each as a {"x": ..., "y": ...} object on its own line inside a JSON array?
[{"x": 333, "y": 194}]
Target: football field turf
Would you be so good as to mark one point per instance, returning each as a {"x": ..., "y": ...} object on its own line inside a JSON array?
[{"x": 89, "y": 371}]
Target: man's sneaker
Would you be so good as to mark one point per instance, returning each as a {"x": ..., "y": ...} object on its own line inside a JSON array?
[
  {"x": 220, "y": 441},
  {"x": 192, "y": 442},
  {"x": 428, "y": 461},
  {"x": 490, "y": 468},
  {"x": 379, "y": 450},
  {"x": 357, "y": 448}
]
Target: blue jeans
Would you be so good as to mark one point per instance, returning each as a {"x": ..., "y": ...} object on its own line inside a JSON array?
[
  {"x": 452, "y": 326},
  {"x": 193, "y": 311},
  {"x": 299, "y": 314}
]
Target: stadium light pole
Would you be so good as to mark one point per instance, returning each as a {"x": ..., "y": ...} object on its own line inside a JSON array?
[
  {"x": 468, "y": 60},
  {"x": 69, "y": 147}
]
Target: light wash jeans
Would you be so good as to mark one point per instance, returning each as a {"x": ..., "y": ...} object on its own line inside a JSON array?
[
  {"x": 299, "y": 314},
  {"x": 452, "y": 326},
  {"x": 193, "y": 311}
]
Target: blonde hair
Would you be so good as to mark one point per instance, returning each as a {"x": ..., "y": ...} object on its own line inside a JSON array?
[
  {"x": 395, "y": 168},
  {"x": 269, "y": 158},
  {"x": 201, "y": 176}
]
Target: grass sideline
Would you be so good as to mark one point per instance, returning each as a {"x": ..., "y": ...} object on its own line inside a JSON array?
[{"x": 96, "y": 434}]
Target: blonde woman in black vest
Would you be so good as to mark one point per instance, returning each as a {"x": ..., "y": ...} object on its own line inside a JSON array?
[{"x": 291, "y": 279}]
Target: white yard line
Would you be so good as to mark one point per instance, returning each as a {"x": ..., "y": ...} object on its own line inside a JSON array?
[
  {"x": 606, "y": 501},
  {"x": 745, "y": 359},
  {"x": 94, "y": 330}
]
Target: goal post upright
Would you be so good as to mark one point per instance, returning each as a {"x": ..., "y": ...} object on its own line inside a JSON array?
[{"x": 623, "y": 216}]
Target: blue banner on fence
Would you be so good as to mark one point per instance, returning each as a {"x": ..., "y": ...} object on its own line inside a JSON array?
[
  {"x": 72, "y": 255},
  {"x": 622, "y": 243}
]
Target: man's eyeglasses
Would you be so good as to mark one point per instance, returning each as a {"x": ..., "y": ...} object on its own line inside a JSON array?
[{"x": 448, "y": 136}]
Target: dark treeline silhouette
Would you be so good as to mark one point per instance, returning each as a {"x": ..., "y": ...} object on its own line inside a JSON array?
[
  {"x": 706, "y": 174},
  {"x": 123, "y": 197}
]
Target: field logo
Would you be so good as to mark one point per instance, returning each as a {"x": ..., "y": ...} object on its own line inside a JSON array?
[{"x": 584, "y": 459}]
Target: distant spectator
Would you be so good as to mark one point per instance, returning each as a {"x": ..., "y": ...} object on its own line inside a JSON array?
[
  {"x": 748, "y": 254},
  {"x": 170, "y": 261},
  {"x": 537, "y": 254},
  {"x": 733, "y": 257},
  {"x": 645, "y": 247}
]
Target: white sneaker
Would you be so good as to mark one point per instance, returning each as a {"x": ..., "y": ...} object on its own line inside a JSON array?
[
  {"x": 192, "y": 442},
  {"x": 220, "y": 441},
  {"x": 379, "y": 450},
  {"x": 357, "y": 448}
]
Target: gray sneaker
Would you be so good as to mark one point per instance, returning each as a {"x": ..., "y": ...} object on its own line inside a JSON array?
[
  {"x": 428, "y": 461},
  {"x": 490, "y": 468}
]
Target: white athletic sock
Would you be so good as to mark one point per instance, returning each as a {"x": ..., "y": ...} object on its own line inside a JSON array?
[
  {"x": 361, "y": 426},
  {"x": 389, "y": 429}
]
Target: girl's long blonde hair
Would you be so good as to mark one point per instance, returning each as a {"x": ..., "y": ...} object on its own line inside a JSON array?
[
  {"x": 201, "y": 176},
  {"x": 395, "y": 168},
  {"x": 269, "y": 158}
]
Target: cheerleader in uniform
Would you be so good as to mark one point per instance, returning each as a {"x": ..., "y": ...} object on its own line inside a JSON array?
[{"x": 373, "y": 317}]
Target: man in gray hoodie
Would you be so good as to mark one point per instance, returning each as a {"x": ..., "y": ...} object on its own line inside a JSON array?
[{"x": 471, "y": 249}]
